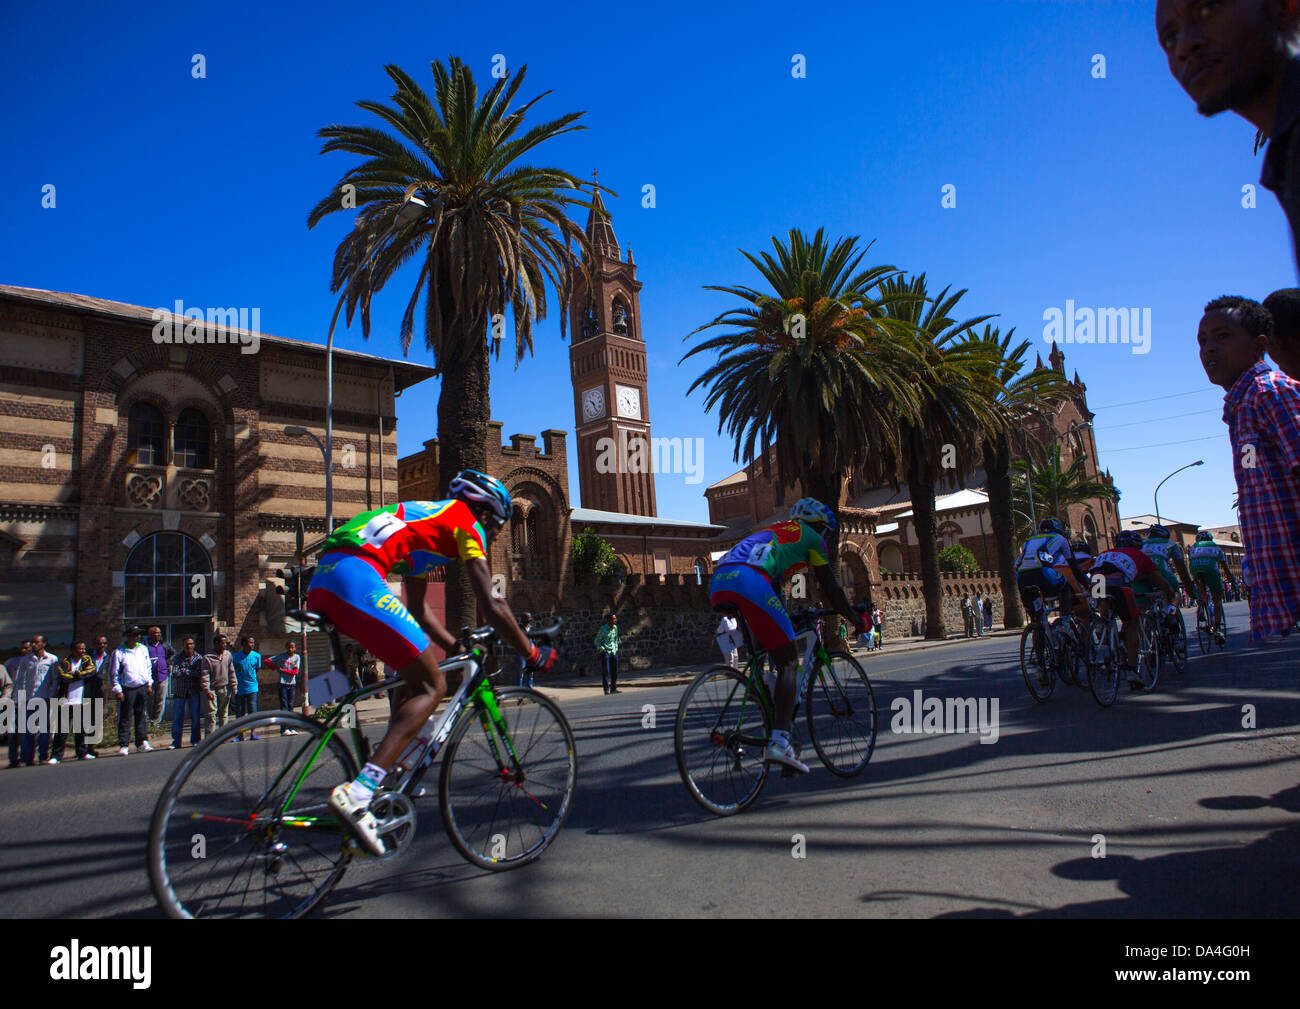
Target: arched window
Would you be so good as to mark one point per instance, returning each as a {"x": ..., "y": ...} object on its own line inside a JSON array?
[
  {"x": 146, "y": 436},
  {"x": 192, "y": 440},
  {"x": 168, "y": 575},
  {"x": 1090, "y": 533},
  {"x": 701, "y": 570}
]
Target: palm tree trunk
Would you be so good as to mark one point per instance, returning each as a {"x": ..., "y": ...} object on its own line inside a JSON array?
[
  {"x": 920, "y": 481},
  {"x": 997, "y": 467},
  {"x": 827, "y": 490},
  {"x": 463, "y": 414}
]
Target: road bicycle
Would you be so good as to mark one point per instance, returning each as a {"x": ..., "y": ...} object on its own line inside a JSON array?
[
  {"x": 1048, "y": 653},
  {"x": 724, "y": 719},
  {"x": 1171, "y": 635},
  {"x": 1106, "y": 648},
  {"x": 1207, "y": 635},
  {"x": 245, "y": 829}
]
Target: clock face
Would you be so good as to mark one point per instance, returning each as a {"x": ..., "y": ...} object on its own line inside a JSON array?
[
  {"x": 629, "y": 402},
  {"x": 593, "y": 403}
]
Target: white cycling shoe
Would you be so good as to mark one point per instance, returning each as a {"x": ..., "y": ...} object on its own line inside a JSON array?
[
  {"x": 365, "y": 828},
  {"x": 785, "y": 755}
]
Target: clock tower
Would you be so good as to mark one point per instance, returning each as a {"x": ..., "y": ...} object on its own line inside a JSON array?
[{"x": 608, "y": 366}]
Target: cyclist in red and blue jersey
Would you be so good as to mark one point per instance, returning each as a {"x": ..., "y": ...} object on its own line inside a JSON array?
[
  {"x": 1128, "y": 570},
  {"x": 749, "y": 577},
  {"x": 349, "y": 586}
]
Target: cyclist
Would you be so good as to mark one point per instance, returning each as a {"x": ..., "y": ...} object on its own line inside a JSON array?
[
  {"x": 1047, "y": 564},
  {"x": 750, "y": 576},
  {"x": 1168, "y": 557},
  {"x": 349, "y": 587},
  {"x": 1205, "y": 559},
  {"x": 1128, "y": 570},
  {"x": 1082, "y": 554}
]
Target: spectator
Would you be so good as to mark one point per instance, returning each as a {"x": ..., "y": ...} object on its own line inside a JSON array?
[
  {"x": 102, "y": 656},
  {"x": 221, "y": 677},
  {"x": 988, "y": 612},
  {"x": 525, "y": 674},
  {"x": 246, "y": 663},
  {"x": 1284, "y": 344},
  {"x": 190, "y": 679},
  {"x": 966, "y": 613},
  {"x": 1262, "y": 411},
  {"x": 131, "y": 678},
  {"x": 842, "y": 634},
  {"x": 37, "y": 679},
  {"x": 1239, "y": 57},
  {"x": 729, "y": 640},
  {"x": 287, "y": 664},
  {"x": 10, "y": 673},
  {"x": 878, "y": 623},
  {"x": 607, "y": 649},
  {"x": 160, "y": 660},
  {"x": 78, "y": 679}
]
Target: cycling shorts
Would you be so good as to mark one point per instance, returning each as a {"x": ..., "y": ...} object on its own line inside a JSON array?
[
  {"x": 1210, "y": 572},
  {"x": 1122, "y": 599},
  {"x": 750, "y": 592},
  {"x": 350, "y": 591},
  {"x": 1045, "y": 580}
]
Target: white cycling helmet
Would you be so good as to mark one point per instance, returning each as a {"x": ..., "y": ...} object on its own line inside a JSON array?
[
  {"x": 811, "y": 510},
  {"x": 469, "y": 485}
]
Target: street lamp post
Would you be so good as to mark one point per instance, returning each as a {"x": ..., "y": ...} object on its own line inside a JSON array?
[{"x": 1156, "y": 495}]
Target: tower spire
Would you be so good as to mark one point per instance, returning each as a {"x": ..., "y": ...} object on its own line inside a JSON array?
[{"x": 600, "y": 232}]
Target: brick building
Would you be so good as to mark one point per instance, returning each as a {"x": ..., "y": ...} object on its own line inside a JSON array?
[{"x": 154, "y": 482}]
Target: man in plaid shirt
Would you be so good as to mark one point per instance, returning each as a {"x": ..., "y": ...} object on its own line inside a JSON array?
[{"x": 1262, "y": 411}]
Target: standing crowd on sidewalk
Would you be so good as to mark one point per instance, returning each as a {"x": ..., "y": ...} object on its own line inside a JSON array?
[{"x": 206, "y": 689}]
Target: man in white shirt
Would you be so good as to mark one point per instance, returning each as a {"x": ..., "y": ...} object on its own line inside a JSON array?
[
  {"x": 287, "y": 664},
  {"x": 729, "y": 640},
  {"x": 11, "y": 671},
  {"x": 38, "y": 678},
  {"x": 131, "y": 678}
]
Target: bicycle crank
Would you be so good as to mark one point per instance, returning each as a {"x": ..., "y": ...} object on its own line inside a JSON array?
[{"x": 395, "y": 814}]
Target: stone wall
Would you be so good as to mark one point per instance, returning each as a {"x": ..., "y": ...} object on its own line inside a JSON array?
[
  {"x": 667, "y": 620},
  {"x": 902, "y": 600},
  {"x": 664, "y": 620}
]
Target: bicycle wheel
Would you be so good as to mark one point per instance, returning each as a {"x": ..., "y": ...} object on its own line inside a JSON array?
[
  {"x": 496, "y": 817},
  {"x": 222, "y": 842},
  {"x": 1034, "y": 663},
  {"x": 1177, "y": 639},
  {"x": 721, "y": 730},
  {"x": 840, "y": 709},
  {"x": 1149, "y": 651},
  {"x": 1103, "y": 674},
  {"x": 1204, "y": 629}
]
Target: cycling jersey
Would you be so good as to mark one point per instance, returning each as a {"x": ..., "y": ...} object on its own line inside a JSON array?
[
  {"x": 1130, "y": 563},
  {"x": 1052, "y": 543},
  {"x": 779, "y": 550},
  {"x": 1164, "y": 553},
  {"x": 411, "y": 537},
  {"x": 1203, "y": 554}
]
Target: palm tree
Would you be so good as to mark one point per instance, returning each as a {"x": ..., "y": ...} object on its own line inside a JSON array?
[
  {"x": 489, "y": 235},
  {"x": 956, "y": 384},
  {"x": 1054, "y": 488},
  {"x": 813, "y": 366},
  {"x": 1021, "y": 398}
]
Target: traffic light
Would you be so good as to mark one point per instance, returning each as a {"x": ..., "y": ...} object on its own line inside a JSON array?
[{"x": 296, "y": 578}]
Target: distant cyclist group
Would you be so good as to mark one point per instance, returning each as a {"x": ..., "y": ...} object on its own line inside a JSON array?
[{"x": 1124, "y": 579}]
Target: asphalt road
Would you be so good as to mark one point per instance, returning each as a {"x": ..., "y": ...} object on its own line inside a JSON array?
[{"x": 1200, "y": 816}]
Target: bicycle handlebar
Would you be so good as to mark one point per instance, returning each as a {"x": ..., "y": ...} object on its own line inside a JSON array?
[{"x": 470, "y": 636}]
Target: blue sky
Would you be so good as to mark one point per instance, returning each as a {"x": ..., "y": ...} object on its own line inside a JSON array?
[{"x": 1107, "y": 192}]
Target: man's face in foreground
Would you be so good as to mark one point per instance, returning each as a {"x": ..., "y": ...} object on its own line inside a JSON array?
[
  {"x": 1224, "y": 53},
  {"x": 1227, "y": 349}
]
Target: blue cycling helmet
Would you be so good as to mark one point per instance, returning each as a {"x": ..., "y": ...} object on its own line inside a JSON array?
[
  {"x": 1129, "y": 538},
  {"x": 813, "y": 511},
  {"x": 1157, "y": 533},
  {"x": 473, "y": 487},
  {"x": 1051, "y": 525},
  {"x": 1205, "y": 536}
]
